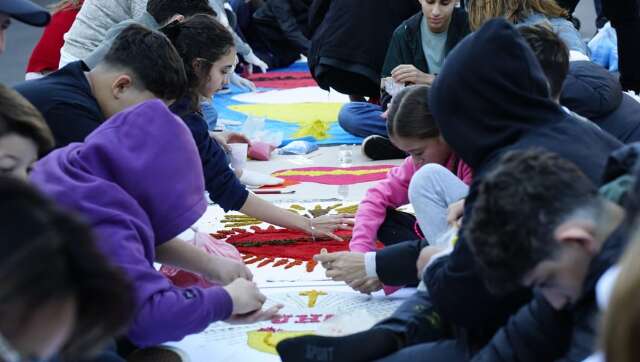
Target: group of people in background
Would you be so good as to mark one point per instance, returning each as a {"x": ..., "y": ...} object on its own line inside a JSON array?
[{"x": 519, "y": 161}]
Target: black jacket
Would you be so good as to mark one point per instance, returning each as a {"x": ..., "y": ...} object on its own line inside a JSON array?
[
  {"x": 483, "y": 109},
  {"x": 286, "y": 20},
  {"x": 592, "y": 92},
  {"x": 406, "y": 42},
  {"x": 355, "y": 31},
  {"x": 540, "y": 333}
]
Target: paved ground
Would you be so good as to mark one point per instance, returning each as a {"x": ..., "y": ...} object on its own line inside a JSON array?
[{"x": 22, "y": 39}]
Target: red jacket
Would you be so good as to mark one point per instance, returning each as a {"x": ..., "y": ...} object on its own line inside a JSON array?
[{"x": 46, "y": 55}]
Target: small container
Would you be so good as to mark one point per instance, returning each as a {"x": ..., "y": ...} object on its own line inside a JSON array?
[{"x": 345, "y": 155}]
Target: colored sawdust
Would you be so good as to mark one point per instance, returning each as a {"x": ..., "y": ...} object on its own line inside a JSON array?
[
  {"x": 335, "y": 175},
  {"x": 314, "y": 119},
  {"x": 283, "y": 80},
  {"x": 316, "y": 129},
  {"x": 285, "y": 184},
  {"x": 263, "y": 246},
  {"x": 267, "y": 340}
]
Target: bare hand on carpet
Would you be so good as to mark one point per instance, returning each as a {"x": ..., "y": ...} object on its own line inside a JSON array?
[
  {"x": 257, "y": 316},
  {"x": 343, "y": 266},
  {"x": 325, "y": 225},
  {"x": 366, "y": 285},
  {"x": 224, "y": 270},
  {"x": 246, "y": 296}
]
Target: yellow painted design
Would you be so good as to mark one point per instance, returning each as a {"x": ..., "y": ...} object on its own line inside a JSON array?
[
  {"x": 334, "y": 172},
  {"x": 316, "y": 129},
  {"x": 314, "y": 119},
  {"x": 313, "y": 296},
  {"x": 266, "y": 342}
]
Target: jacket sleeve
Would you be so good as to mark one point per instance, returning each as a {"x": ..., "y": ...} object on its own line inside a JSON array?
[
  {"x": 222, "y": 184},
  {"x": 398, "y": 51},
  {"x": 396, "y": 264},
  {"x": 163, "y": 312},
  {"x": 390, "y": 192},
  {"x": 287, "y": 22},
  {"x": 537, "y": 332}
]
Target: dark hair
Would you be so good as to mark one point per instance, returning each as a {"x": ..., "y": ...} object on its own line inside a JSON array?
[
  {"x": 18, "y": 116},
  {"x": 163, "y": 10},
  {"x": 409, "y": 114},
  {"x": 520, "y": 203},
  {"x": 201, "y": 41},
  {"x": 552, "y": 54},
  {"x": 48, "y": 255},
  {"x": 153, "y": 60}
]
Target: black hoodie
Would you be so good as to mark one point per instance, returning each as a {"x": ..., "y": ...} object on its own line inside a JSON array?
[
  {"x": 594, "y": 93},
  {"x": 492, "y": 97}
]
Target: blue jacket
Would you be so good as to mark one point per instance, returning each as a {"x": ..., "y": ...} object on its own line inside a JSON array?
[{"x": 594, "y": 93}]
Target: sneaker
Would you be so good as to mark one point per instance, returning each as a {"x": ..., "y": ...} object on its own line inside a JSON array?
[{"x": 380, "y": 148}]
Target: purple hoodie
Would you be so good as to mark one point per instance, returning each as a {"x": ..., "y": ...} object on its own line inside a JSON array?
[{"x": 138, "y": 180}]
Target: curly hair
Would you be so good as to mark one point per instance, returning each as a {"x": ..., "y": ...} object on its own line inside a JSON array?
[
  {"x": 520, "y": 203},
  {"x": 480, "y": 11}
]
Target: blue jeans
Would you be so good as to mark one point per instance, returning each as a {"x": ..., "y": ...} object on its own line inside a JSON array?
[{"x": 363, "y": 119}]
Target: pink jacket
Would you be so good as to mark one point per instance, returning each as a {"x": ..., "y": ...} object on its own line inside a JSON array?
[{"x": 391, "y": 192}]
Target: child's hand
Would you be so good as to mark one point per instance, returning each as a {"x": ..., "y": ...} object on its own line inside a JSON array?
[
  {"x": 454, "y": 214},
  {"x": 325, "y": 225},
  {"x": 224, "y": 271},
  {"x": 245, "y": 296},
  {"x": 343, "y": 266},
  {"x": 425, "y": 257},
  {"x": 257, "y": 316},
  {"x": 408, "y": 73},
  {"x": 366, "y": 285}
]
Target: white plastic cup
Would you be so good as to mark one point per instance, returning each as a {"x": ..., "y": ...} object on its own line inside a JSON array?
[{"x": 238, "y": 155}]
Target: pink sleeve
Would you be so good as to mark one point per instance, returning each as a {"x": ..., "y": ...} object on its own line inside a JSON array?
[
  {"x": 390, "y": 192},
  {"x": 465, "y": 173}
]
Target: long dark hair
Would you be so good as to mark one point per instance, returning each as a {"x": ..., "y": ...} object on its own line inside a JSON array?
[
  {"x": 409, "y": 114},
  {"x": 49, "y": 255},
  {"x": 201, "y": 41}
]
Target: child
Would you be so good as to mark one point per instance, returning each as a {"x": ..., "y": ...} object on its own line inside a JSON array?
[
  {"x": 209, "y": 57},
  {"x": 95, "y": 18},
  {"x": 418, "y": 48},
  {"x": 578, "y": 236},
  {"x": 24, "y": 136},
  {"x": 584, "y": 87},
  {"x": 59, "y": 294},
  {"x": 74, "y": 101},
  {"x": 45, "y": 57},
  {"x": 431, "y": 179},
  {"x": 136, "y": 206},
  {"x": 158, "y": 14}
]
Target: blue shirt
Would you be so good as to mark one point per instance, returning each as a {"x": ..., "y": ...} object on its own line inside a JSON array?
[
  {"x": 66, "y": 102},
  {"x": 219, "y": 180}
]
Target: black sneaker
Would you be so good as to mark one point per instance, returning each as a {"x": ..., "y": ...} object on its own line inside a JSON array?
[{"x": 380, "y": 148}]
